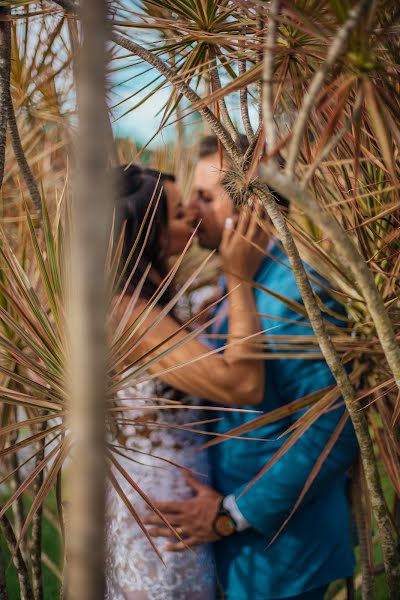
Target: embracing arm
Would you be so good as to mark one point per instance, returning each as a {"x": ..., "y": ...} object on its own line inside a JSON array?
[{"x": 230, "y": 378}]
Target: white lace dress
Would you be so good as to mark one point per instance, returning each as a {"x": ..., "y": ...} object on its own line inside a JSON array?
[{"x": 133, "y": 570}]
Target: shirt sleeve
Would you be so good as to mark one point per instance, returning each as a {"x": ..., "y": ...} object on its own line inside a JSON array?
[
  {"x": 229, "y": 504},
  {"x": 270, "y": 499}
]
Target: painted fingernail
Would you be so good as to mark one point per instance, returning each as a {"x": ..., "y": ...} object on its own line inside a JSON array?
[
  {"x": 228, "y": 223},
  {"x": 250, "y": 202}
]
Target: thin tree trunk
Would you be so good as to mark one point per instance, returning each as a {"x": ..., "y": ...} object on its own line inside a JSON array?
[
  {"x": 37, "y": 522},
  {"x": 244, "y": 98},
  {"x": 74, "y": 38},
  {"x": 216, "y": 85},
  {"x": 268, "y": 76},
  {"x": 360, "y": 514},
  {"x": 19, "y": 563},
  {"x": 91, "y": 221},
  {"x": 18, "y": 506},
  {"x": 3, "y": 587},
  {"x": 5, "y": 61},
  {"x": 21, "y": 158}
]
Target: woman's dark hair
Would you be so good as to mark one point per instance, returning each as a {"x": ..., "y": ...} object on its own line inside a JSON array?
[{"x": 136, "y": 187}]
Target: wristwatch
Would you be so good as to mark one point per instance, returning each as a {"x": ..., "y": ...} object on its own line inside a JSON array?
[{"x": 224, "y": 524}]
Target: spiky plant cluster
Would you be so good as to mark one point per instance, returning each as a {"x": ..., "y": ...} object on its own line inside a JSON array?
[{"x": 314, "y": 86}]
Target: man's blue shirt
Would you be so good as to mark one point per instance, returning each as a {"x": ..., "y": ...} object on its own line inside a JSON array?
[{"x": 315, "y": 547}]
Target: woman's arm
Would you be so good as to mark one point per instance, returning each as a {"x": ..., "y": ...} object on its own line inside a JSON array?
[{"x": 230, "y": 378}]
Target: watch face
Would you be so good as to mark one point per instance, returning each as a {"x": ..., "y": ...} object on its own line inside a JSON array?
[{"x": 224, "y": 525}]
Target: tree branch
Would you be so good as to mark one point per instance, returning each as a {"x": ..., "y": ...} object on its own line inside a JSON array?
[
  {"x": 19, "y": 563},
  {"x": 363, "y": 531},
  {"x": 216, "y": 85},
  {"x": 18, "y": 507},
  {"x": 36, "y": 553},
  {"x": 21, "y": 158},
  {"x": 5, "y": 67},
  {"x": 91, "y": 215},
  {"x": 268, "y": 75},
  {"x": 337, "y": 47},
  {"x": 3, "y": 587},
  {"x": 260, "y": 56},
  {"x": 244, "y": 99}
]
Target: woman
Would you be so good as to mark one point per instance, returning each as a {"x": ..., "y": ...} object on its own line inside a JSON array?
[{"x": 157, "y": 440}]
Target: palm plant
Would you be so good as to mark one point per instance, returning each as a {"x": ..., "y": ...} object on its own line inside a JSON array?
[
  {"x": 316, "y": 84},
  {"x": 331, "y": 74}
]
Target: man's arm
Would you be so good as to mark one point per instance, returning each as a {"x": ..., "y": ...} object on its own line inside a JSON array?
[{"x": 267, "y": 503}]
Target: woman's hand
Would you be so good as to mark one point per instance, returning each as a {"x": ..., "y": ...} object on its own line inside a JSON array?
[{"x": 243, "y": 248}]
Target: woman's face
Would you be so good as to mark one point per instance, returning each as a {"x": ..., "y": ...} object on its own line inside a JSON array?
[{"x": 180, "y": 226}]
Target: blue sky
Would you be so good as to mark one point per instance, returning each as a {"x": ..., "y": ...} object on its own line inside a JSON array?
[{"x": 142, "y": 123}]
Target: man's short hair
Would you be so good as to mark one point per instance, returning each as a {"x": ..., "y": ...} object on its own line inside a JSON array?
[{"x": 209, "y": 146}]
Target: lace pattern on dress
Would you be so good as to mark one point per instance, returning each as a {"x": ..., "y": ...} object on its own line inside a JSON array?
[{"x": 153, "y": 441}]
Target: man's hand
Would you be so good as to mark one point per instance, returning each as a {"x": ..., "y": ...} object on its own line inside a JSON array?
[
  {"x": 193, "y": 519},
  {"x": 243, "y": 246}
]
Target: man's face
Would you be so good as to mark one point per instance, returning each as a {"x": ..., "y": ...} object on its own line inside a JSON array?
[{"x": 210, "y": 203}]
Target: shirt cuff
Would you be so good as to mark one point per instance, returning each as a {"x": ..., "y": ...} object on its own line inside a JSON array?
[{"x": 229, "y": 504}]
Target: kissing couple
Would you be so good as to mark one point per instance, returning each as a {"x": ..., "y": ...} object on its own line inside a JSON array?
[{"x": 225, "y": 526}]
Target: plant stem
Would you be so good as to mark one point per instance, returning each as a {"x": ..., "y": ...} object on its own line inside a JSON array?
[
  {"x": 244, "y": 97},
  {"x": 268, "y": 75},
  {"x": 19, "y": 563},
  {"x": 216, "y": 85},
  {"x": 91, "y": 214},
  {"x": 36, "y": 553},
  {"x": 5, "y": 67},
  {"x": 21, "y": 158},
  {"x": 367, "y": 586},
  {"x": 3, "y": 587},
  {"x": 18, "y": 507}
]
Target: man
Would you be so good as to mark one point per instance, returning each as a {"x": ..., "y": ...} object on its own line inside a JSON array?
[{"x": 315, "y": 546}]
